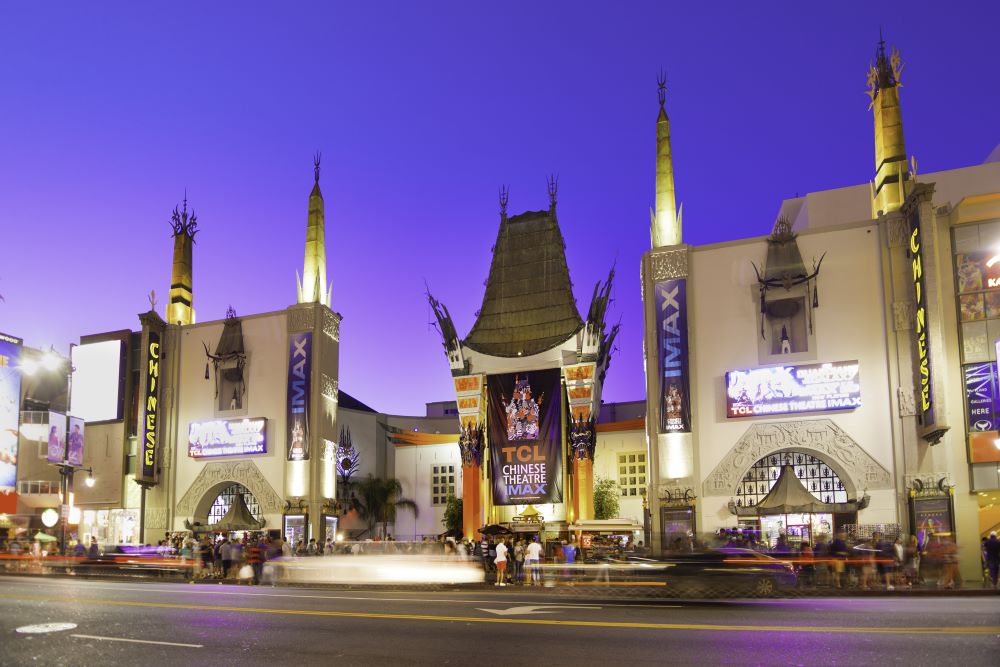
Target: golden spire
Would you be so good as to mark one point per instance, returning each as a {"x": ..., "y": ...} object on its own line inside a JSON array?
[
  {"x": 892, "y": 178},
  {"x": 180, "y": 306},
  {"x": 312, "y": 286},
  {"x": 665, "y": 227}
]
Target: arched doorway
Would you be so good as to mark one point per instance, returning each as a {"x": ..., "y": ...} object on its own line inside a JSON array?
[{"x": 819, "y": 479}]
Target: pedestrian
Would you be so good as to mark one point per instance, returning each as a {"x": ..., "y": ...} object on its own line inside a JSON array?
[
  {"x": 911, "y": 562},
  {"x": 519, "y": 562},
  {"x": 94, "y": 552},
  {"x": 500, "y": 560},
  {"x": 885, "y": 557},
  {"x": 225, "y": 554},
  {"x": 532, "y": 556},
  {"x": 254, "y": 559},
  {"x": 838, "y": 556},
  {"x": 992, "y": 550}
]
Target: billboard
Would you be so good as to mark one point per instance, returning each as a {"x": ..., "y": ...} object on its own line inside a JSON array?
[
  {"x": 74, "y": 442},
  {"x": 789, "y": 389},
  {"x": 525, "y": 437},
  {"x": 56, "y": 451},
  {"x": 97, "y": 379},
  {"x": 299, "y": 381},
  {"x": 150, "y": 408},
  {"x": 672, "y": 355},
  {"x": 227, "y": 437},
  {"x": 10, "y": 410}
]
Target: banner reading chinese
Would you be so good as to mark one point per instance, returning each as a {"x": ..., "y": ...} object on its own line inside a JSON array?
[
  {"x": 672, "y": 356},
  {"x": 525, "y": 425}
]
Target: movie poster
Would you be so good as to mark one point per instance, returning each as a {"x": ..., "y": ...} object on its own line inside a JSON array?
[
  {"x": 74, "y": 442},
  {"x": 525, "y": 431},
  {"x": 56, "y": 452},
  {"x": 672, "y": 356},
  {"x": 10, "y": 410},
  {"x": 299, "y": 380},
  {"x": 981, "y": 396}
]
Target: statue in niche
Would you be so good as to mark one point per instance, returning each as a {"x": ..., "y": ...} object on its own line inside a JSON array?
[{"x": 786, "y": 342}]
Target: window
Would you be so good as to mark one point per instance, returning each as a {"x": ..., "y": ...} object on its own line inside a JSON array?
[
  {"x": 442, "y": 483},
  {"x": 818, "y": 478},
  {"x": 632, "y": 473},
  {"x": 225, "y": 500}
]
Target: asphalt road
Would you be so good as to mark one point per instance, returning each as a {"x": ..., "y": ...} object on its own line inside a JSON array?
[{"x": 120, "y": 623}]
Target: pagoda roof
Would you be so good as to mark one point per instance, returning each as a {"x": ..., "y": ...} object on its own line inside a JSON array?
[
  {"x": 528, "y": 306},
  {"x": 789, "y": 496}
]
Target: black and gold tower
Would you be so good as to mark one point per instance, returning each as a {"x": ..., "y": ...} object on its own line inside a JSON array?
[
  {"x": 180, "y": 308},
  {"x": 892, "y": 176}
]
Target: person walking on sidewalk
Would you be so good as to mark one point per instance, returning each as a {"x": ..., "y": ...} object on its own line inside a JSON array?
[
  {"x": 501, "y": 562},
  {"x": 992, "y": 550},
  {"x": 532, "y": 555}
]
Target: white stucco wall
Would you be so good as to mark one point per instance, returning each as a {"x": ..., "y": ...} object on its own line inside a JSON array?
[{"x": 414, "y": 470}]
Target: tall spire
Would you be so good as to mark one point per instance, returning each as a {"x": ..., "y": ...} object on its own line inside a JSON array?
[
  {"x": 892, "y": 177},
  {"x": 312, "y": 286},
  {"x": 665, "y": 227},
  {"x": 180, "y": 306}
]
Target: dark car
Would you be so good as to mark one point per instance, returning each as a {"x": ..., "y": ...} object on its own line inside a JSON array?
[
  {"x": 135, "y": 560},
  {"x": 716, "y": 573}
]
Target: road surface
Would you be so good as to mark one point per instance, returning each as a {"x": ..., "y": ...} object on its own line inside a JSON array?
[{"x": 122, "y": 623}]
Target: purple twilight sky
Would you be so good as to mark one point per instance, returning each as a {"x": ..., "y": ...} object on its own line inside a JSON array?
[{"x": 422, "y": 110}]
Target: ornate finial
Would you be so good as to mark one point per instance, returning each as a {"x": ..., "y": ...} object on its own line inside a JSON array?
[
  {"x": 182, "y": 222},
  {"x": 886, "y": 70},
  {"x": 230, "y": 313},
  {"x": 782, "y": 229},
  {"x": 152, "y": 300},
  {"x": 553, "y": 185},
  {"x": 661, "y": 84},
  {"x": 504, "y": 196},
  {"x": 317, "y": 156}
]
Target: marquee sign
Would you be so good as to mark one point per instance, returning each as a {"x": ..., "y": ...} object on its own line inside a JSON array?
[
  {"x": 920, "y": 330},
  {"x": 672, "y": 356},
  {"x": 150, "y": 406},
  {"x": 789, "y": 389},
  {"x": 227, "y": 437}
]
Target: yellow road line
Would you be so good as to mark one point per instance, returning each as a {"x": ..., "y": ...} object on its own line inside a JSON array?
[{"x": 971, "y": 630}]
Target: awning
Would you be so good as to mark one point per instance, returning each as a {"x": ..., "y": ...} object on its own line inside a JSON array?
[{"x": 789, "y": 496}]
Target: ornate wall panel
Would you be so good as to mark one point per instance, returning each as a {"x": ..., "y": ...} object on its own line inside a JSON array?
[{"x": 219, "y": 472}]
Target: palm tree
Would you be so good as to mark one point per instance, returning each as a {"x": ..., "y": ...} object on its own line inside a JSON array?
[{"x": 377, "y": 500}]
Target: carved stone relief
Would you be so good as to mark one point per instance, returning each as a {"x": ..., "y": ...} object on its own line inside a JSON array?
[
  {"x": 242, "y": 472},
  {"x": 669, "y": 264},
  {"x": 929, "y": 483},
  {"x": 329, "y": 386},
  {"x": 331, "y": 325},
  {"x": 898, "y": 232},
  {"x": 820, "y": 437},
  {"x": 903, "y": 314},
  {"x": 156, "y": 518},
  {"x": 301, "y": 319},
  {"x": 907, "y": 402}
]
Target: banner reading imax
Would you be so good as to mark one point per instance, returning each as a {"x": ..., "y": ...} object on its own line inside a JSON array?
[
  {"x": 672, "y": 356},
  {"x": 525, "y": 422}
]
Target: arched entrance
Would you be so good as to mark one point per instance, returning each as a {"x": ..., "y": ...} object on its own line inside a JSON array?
[{"x": 215, "y": 478}]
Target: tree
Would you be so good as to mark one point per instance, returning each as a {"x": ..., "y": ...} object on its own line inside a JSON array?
[
  {"x": 606, "y": 496},
  {"x": 377, "y": 500},
  {"x": 453, "y": 514}
]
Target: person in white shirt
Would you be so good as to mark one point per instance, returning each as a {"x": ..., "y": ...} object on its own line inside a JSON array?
[
  {"x": 532, "y": 555},
  {"x": 501, "y": 562}
]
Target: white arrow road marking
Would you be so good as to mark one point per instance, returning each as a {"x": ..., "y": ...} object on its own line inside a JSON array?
[
  {"x": 536, "y": 609},
  {"x": 45, "y": 627},
  {"x": 135, "y": 641}
]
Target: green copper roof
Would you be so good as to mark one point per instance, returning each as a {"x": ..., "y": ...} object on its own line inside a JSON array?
[{"x": 528, "y": 306}]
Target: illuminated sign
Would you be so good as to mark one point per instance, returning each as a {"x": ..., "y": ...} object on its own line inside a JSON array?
[
  {"x": 299, "y": 380},
  {"x": 981, "y": 396},
  {"x": 920, "y": 289},
  {"x": 147, "y": 464},
  {"x": 97, "y": 376},
  {"x": 672, "y": 355},
  {"x": 227, "y": 437},
  {"x": 10, "y": 410},
  {"x": 789, "y": 389}
]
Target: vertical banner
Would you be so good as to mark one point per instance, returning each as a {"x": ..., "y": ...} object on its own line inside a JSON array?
[
  {"x": 10, "y": 410},
  {"x": 981, "y": 396},
  {"x": 672, "y": 359},
  {"x": 151, "y": 409},
  {"x": 299, "y": 381},
  {"x": 74, "y": 442},
  {"x": 525, "y": 427},
  {"x": 57, "y": 438},
  {"x": 920, "y": 329}
]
